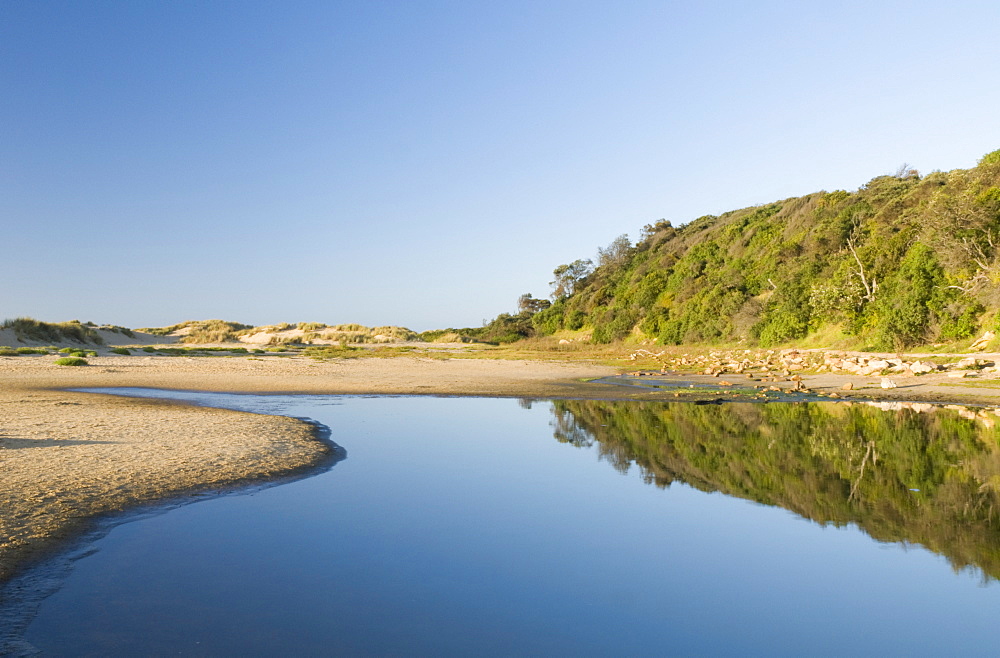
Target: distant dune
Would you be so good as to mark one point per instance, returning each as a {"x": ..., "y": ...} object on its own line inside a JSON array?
[{"x": 27, "y": 332}]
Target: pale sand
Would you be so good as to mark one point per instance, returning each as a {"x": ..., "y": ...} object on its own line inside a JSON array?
[{"x": 67, "y": 457}]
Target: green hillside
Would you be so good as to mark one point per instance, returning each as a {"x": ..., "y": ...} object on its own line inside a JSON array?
[{"x": 905, "y": 260}]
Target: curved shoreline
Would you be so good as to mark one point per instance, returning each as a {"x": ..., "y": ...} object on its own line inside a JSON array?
[
  {"x": 42, "y": 572},
  {"x": 58, "y": 479},
  {"x": 69, "y": 457}
]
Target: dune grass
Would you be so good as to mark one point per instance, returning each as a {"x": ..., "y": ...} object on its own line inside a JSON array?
[
  {"x": 53, "y": 332},
  {"x": 71, "y": 361},
  {"x": 202, "y": 331}
]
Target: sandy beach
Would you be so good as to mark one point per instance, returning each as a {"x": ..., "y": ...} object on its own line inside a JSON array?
[{"x": 68, "y": 457}]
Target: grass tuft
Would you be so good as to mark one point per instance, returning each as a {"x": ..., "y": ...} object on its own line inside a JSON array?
[{"x": 71, "y": 361}]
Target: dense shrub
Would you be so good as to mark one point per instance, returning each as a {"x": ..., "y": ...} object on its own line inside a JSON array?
[{"x": 71, "y": 361}]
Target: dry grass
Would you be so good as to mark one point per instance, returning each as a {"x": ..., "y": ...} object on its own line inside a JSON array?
[{"x": 53, "y": 332}]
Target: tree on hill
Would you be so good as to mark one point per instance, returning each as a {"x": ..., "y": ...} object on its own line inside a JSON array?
[
  {"x": 528, "y": 304},
  {"x": 568, "y": 277}
]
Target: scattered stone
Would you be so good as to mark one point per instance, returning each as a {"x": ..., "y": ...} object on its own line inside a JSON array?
[
  {"x": 921, "y": 367},
  {"x": 888, "y": 383},
  {"x": 847, "y": 387}
]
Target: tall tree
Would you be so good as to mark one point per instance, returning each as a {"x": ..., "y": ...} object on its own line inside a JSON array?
[{"x": 567, "y": 277}]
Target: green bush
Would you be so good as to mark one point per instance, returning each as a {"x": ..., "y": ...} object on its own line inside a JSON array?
[
  {"x": 148, "y": 349},
  {"x": 993, "y": 157},
  {"x": 576, "y": 320},
  {"x": 507, "y": 328},
  {"x": 120, "y": 350},
  {"x": 7, "y": 351},
  {"x": 904, "y": 307},
  {"x": 31, "y": 350},
  {"x": 963, "y": 325},
  {"x": 614, "y": 329},
  {"x": 71, "y": 361}
]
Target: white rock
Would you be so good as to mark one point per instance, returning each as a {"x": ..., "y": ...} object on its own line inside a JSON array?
[
  {"x": 983, "y": 340},
  {"x": 888, "y": 383}
]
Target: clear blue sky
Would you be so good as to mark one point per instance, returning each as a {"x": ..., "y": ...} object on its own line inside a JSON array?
[{"x": 425, "y": 163}]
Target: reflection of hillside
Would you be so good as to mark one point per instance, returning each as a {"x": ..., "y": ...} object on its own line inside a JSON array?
[{"x": 902, "y": 476}]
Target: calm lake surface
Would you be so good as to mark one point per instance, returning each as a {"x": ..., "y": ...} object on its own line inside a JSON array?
[{"x": 499, "y": 527}]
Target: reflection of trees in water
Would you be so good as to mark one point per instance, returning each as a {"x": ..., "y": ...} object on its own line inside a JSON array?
[
  {"x": 566, "y": 429},
  {"x": 926, "y": 478}
]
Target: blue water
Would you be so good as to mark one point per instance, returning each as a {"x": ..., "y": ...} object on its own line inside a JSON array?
[{"x": 459, "y": 526}]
